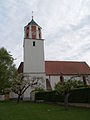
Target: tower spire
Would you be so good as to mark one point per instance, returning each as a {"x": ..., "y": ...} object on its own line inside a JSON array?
[{"x": 32, "y": 14}]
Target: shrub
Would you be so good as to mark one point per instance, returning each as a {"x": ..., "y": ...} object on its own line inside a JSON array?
[
  {"x": 77, "y": 96},
  {"x": 80, "y": 95}
]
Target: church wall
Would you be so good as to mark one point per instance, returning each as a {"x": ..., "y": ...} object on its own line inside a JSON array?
[
  {"x": 34, "y": 56},
  {"x": 26, "y": 95},
  {"x": 2, "y": 97},
  {"x": 55, "y": 79},
  {"x": 41, "y": 83},
  {"x": 88, "y": 80},
  {"x": 42, "y": 77},
  {"x": 13, "y": 95}
]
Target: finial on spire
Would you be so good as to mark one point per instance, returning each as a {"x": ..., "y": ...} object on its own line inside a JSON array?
[{"x": 32, "y": 14}]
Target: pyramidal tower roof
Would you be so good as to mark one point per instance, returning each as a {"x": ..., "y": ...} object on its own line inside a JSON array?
[{"x": 32, "y": 22}]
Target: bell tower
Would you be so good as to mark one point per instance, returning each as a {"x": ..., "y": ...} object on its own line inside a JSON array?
[
  {"x": 34, "y": 64},
  {"x": 32, "y": 31}
]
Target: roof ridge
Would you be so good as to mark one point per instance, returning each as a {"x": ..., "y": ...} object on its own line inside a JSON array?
[{"x": 64, "y": 61}]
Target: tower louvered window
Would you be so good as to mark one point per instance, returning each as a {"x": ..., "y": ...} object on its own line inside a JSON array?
[
  {"x": 39, "y": 32},
  {"x": 33, "y": 29},
  {"x": 27, "y": 32}
]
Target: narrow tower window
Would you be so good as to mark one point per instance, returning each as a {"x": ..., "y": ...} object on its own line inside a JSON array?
[{"x": 33, "y": 43}]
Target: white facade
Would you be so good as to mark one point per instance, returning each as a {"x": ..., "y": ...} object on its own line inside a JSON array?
[
  {"x": 55, "y": 79},
  {"x": 34, "y": 56},
  {"x": 34, "y": 63},
  {"x": 13, "y": 95},
  {"x": 2, "y": 97}
]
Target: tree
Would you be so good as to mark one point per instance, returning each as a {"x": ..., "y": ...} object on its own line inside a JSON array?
[
  {"x": 64, "y": 88},
  {"x": 7, "y": 69},
  {"x": 23, "y": 82}
]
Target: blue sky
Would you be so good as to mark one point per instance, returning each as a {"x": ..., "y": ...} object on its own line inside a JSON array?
[{"x": 65, "y": 27}]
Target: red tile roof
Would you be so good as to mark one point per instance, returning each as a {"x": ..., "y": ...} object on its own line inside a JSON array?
[{"x": 64, "y": 67}]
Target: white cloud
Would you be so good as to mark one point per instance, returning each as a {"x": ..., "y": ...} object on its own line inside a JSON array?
[{"x": 65, "y": 26}]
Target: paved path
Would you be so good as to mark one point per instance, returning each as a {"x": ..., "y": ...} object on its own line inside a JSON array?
[
  {"x": 84, "y": 105},
  {"x": 80, "y": 105}
]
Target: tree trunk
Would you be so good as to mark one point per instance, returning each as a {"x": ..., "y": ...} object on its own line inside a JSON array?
[
  {"x": 18, "y": 98},
  {"x": 66, "y": 100}
]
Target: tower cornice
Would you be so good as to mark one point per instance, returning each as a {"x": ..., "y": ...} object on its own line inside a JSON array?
[{"x": 34, "y": 39}]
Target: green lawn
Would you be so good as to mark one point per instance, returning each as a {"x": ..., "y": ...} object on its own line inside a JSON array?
[{"x": 40, "y": 111}]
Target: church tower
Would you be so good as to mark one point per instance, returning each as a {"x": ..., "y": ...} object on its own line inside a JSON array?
[{"x": 34, "y": 64}]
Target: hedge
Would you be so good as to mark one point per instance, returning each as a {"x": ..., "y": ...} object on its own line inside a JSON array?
[
  {"x": 80, "y": 95},
  {"x": 49, "y": 96},
  {"x": 76, "y": 96}
]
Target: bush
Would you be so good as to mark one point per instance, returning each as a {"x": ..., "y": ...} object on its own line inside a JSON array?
[
  {"x": 80, "y": 95},
  {"x": 76, "y": 96},
  {"x": 51, "y": 96}
]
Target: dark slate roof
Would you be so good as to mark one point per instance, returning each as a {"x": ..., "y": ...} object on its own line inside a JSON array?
[
  {"x": 65, "y": 67},
  {"x": 32, "y": 22},
  {"x": 20, "y": 68}
]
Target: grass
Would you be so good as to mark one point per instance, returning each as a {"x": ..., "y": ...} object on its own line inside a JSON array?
[{"x": 40, "y": 111}]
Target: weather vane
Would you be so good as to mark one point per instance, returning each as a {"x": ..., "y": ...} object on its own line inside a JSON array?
[{"x": 32, "y": 14}]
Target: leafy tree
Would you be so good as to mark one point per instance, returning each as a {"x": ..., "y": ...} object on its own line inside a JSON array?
[
  {"x": 7, "y": 69},
  {"x": 64, "y": 88},
  {"x": 22, "y": 83}
]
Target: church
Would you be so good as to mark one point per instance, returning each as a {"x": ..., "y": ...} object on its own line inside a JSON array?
[{"x": 52, "y": 72}]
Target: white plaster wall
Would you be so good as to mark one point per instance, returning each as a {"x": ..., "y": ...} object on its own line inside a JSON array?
[
  {"x": 13, "y": 95},
  {"x": 67, "y": 77},
  {"x": 34, "y": 56},
  {"x": 37, "y": 34},
  {"x": 88, "y": 79},
  {"x": 55, "y": 79},
  {"x": 2, "y": 97},
  {"x": 30, "y": 33},
  {"x": 27, "y": 94},
  {"x": 41, "y": 81}
]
